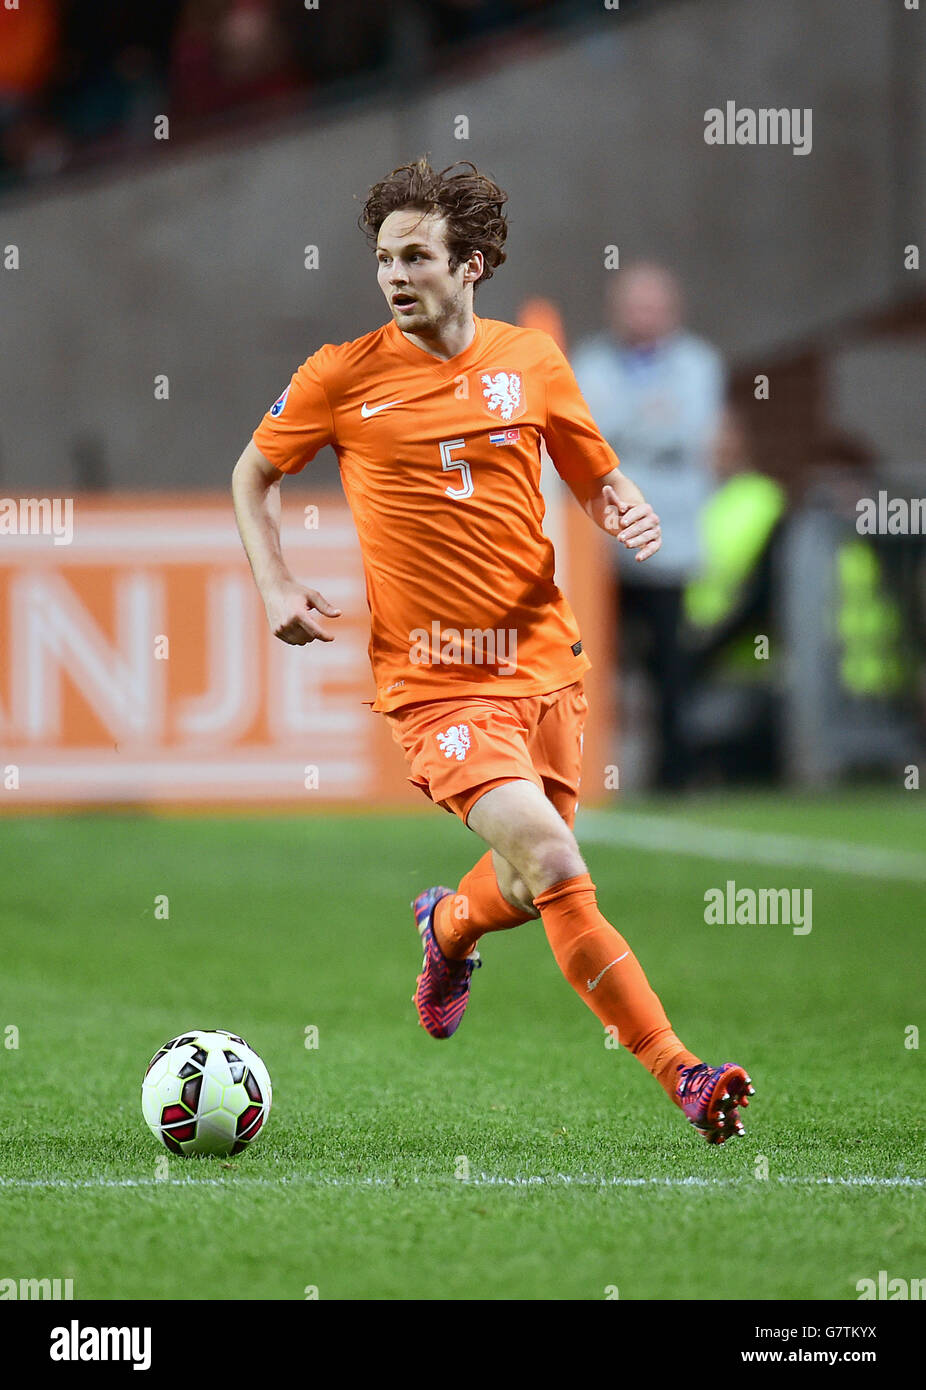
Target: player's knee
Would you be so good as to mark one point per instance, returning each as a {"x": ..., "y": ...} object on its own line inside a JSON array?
[
  {"x": 551, "y": 860},
  {"x": 519, "y": 895},
  {"x": 513, "y": 888}
]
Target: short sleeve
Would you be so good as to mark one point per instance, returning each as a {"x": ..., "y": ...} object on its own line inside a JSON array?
[
  {"x": 299, "y": 423},
  {"x": 574, "y": 442}
]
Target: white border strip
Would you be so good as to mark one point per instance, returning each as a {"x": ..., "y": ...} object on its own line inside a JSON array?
[
  {"x": 160, "y": 537},
  {"x": 675, "y": 835},
  {"x": 93, "y": 776},
  {"x": 479, "y": 1180}
]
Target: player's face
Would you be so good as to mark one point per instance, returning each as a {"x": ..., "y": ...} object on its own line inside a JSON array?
[{"x": 414, "y": 274}]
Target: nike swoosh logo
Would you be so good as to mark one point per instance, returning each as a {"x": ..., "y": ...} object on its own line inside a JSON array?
[
  {"x": 593, "y": 984},
  {"x": 367, "y": 410}
]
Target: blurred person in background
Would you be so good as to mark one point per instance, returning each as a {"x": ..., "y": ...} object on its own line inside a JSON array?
[
  {"x": 28, "y": 53},
  {"x": 82, "y": 80},
  {"x": 454, "y": 21},
  {"x": 732, "y": 717},
  {"x": 229, "y": 53},
  {"x": 351, "y": 40},
  {"x": 112, "y": 81},
  {"x": 875, "y": 620},
  {"x": 79, "y": 75},
  {"x": 657, "y": 394},
  {"x": 29, "y": 57}
]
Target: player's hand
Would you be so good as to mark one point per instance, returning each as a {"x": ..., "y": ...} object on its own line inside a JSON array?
[
  {"x": 635, "y": 524},
  {"x": 289, "y": 613}
]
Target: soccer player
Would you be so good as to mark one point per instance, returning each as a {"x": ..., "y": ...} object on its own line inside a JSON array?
[{"x": 437, "y": 419}]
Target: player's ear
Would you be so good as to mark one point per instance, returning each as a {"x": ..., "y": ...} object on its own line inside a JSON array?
[{"x": 473, "y": 267}]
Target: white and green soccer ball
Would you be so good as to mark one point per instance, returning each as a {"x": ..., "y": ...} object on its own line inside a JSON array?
[{"x": 206, "y": 1093}]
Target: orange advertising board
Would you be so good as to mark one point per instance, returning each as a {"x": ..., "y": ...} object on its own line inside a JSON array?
[{"x": 137, "y": 667}]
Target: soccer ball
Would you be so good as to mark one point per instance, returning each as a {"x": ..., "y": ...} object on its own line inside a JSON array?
[{"x": 206, "y": 1093}]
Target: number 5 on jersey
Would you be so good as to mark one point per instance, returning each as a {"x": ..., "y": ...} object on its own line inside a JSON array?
[{"x": 448, "y": 462}]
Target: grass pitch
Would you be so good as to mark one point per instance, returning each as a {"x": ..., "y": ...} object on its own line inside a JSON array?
[{"x": 582, "y": 1179}]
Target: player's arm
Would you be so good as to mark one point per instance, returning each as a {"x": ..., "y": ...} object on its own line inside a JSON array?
[
  {"x": 616, "y": 504},
  {"x": 289, "y": 606}
]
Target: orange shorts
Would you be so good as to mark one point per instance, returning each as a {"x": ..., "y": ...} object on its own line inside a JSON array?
[{"x": 459, "y": 749}]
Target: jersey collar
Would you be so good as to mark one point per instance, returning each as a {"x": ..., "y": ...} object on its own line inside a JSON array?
[{"x": 451, "y": 365}]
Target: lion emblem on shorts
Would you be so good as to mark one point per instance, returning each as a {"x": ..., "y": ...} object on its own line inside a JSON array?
[{"x": 455, "y": 743}]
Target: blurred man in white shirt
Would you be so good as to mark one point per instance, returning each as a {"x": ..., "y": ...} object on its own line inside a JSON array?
[{"x": 657, "y": 392}]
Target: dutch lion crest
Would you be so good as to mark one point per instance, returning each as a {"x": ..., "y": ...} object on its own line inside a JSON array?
[
  {"x": 455, "y": 743},
  {"x": 502, "y": 393}
]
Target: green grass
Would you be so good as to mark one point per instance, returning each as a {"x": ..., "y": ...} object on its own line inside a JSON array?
[{"x": 280, "y": 923}]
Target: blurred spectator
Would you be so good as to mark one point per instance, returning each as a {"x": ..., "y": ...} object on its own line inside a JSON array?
[
  {"x": 113, "y": 69},
  {"x": 543, "y": 314},
  {"x": 354, "y": 38},
  {"x": 874, "y": 626},
  {"x": 28, "y": 50},
  {"x": 97, "y": 73},
  {"x": 733, "y": 717},
  {"x": 737, "y": 524},
  {"x": 80, "y": 79},
  {"x": 228, "y": 53},
  {"x": 656, "y": 392},
  {"x": 29, "y": 55},
  {"x": 459, "y": 20}
]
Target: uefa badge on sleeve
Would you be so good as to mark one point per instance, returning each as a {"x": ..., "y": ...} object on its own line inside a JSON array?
[{"x": 279, "y": 404}]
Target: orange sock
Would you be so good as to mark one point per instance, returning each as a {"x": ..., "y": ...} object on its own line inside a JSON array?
[
  {"x": 607, "y": 976},
  {"x": 475, "y": 908}
]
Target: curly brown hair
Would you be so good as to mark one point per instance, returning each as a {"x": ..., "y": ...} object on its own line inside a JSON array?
[{"x": 470, "y": 202}]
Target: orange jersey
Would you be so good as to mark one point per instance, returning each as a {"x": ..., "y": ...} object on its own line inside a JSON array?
[{"x": 440, "y": 463}]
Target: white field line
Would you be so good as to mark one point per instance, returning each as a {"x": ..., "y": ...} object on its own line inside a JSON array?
[
  {"x": 675, "y": 835},
  {"x": 477, "y": 1180}
]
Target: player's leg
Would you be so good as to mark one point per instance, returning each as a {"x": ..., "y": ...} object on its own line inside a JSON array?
[
  {"x": 494, "y": 896},
  {"x": 456, "y": 750},
  {"x": 512, "y": 887},
  {"x": 521, "y": 824},
  {"x": 491, "y": 897},
  {"x": 553, "y": 726}
]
